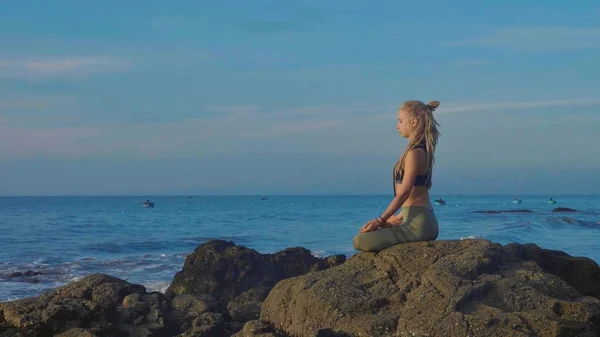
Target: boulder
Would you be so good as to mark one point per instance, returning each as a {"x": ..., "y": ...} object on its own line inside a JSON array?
[
  {"x": 102, "y": 305},
  {"x": 580, "y": 273},
  {"x": 256, "y": 328},
  {"x": 225, "y": 270},
  {"x": 221, "y": 287},
  {"x": 440, "y": 288}
]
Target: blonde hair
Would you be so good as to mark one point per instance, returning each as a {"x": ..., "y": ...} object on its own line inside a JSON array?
[{"x": 426, "y": 132}]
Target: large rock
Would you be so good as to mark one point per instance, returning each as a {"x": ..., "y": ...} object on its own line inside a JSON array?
[
  {"x": 241, "y": 277},
  {"x": 221, "y": 287},
  {"x": 441, "y": 288},
  {"x": 581, "y": 273},
  {"x": 257, "y": 328},
  {"x": 102, "y": 305}
]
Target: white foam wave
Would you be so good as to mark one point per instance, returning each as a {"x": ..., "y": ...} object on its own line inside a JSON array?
[
  {"x": 160, "y": 286},
  {"x": 472, "y": 237},
  {"x": 318, "y": 253}
]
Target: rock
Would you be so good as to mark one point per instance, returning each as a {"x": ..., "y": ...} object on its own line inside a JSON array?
[
  {"x": 581, "y": 273},
  {"x": 228, "y": 286},
  {"x": 452, "y": 288},
  {"x": 240, "y": 278},
  {"x": 256, "y": 328},
  {"x": 186, "y": 308},
  {"x": 505, "y": 211},
  {"x": 563, "y": 209},
  {"x": 247, "y": 305},
  {"x": 225, "y": 270},
  {"x": 99, "y": 305},
  {"x": 77, "y": 332}
]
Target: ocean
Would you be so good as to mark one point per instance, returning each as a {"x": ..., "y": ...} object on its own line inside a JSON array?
[{"x": 61, "y": 239}]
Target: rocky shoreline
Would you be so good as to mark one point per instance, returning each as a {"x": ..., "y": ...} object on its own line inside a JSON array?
[{"x": 440, "y": 288}]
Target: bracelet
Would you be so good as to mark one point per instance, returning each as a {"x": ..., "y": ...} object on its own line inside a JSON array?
[{"x": 382, "y": 219}]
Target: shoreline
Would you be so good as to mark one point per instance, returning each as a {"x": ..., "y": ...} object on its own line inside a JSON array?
[{"x": 231, "y": 290}]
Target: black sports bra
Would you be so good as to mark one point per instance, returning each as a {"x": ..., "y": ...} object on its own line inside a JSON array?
[{"x": 421, "y": 179}]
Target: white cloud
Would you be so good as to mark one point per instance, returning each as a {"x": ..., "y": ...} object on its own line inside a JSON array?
[
  {"x": 518, "y": 105},
  {"x": 233, "y": 109},
  {"x": 194, "y": 136},
  {"x": 358, "y": 128},
  {"x": 18, "y": 141},
  {"x": 535, "y": 39},
  {"x": 35, "y": 102},
  {"x": 50, "y": 67}
]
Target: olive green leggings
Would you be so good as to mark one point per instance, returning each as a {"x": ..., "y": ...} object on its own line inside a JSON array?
[{"x": 418, "y": 224}]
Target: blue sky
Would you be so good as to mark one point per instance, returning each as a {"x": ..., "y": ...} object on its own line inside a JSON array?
[{"x": 272, "y": 97}]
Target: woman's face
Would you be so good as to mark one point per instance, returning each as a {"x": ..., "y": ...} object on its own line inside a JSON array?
[{"x": 406, "y": 124}]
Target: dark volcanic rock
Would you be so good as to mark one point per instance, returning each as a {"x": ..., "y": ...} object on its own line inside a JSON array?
[
  {"x": 241, "y": 278},
  {"x": 225, "y": 270},
  {"x": 102, "y": 305},
  {"x": 452, "y": 288},
  {"x": 258, "y": 328},
  {"x": 563, "y": 209},
  {"x": 580, "y": 273},
  {"x": 220, "y": 288}
]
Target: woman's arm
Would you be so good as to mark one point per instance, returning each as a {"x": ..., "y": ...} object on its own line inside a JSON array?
[{"x": 411, "y": 163}]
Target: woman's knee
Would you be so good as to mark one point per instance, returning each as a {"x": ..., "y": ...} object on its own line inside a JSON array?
[
  {"x": 357, "y": 242},
  {"x": 362, "y": 243}
]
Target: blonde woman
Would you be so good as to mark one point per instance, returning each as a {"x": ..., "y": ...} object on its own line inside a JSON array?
[{"x": 412, "y": 181}]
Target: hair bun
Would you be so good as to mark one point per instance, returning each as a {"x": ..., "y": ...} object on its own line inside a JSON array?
[{"x": 433, "y": 105}]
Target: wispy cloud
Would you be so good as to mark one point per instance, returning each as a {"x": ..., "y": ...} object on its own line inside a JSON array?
[
  {"x": 35, "y": 102},
  {"x": 51, "y": 67},
  {"x": 17, "y": 141},
  {"x": 233, "y": 109},
  {"x": 334, "y": 111},
  {"x": 472, "y": 62},
  {"x": 237, "y": 127},
  {"x": 518, "y": 105},
  {"x": 535, "y": 39},
  {"x": 271, "y": 27}
]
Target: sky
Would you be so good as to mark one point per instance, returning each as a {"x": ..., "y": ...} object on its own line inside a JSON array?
[{"x": 272, "y": 97}]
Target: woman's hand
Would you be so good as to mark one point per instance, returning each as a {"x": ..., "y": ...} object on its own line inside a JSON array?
[
  {"x": 371, "y": 226},
  {"x": 393, "y": 221}
]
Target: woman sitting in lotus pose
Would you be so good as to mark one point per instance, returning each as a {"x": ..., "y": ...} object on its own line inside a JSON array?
[{"x": 412, "y": 181}]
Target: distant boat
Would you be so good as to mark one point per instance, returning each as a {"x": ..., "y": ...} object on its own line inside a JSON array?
[
  {"x": 516, "y": 201},
  {"x": 148, "y": 204},
  {"x": 552, "y": 201},
  {"x": 440, "y": 201}
]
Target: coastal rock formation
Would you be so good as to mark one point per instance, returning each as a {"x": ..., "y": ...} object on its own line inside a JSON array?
[
  {"x": 99, "y": 304},
  {"x": 452, "y": 288},
  {"x": 580, "y": 273},
  {"x": 220, "y": 288},
  {"x": 241, "y": 278}
]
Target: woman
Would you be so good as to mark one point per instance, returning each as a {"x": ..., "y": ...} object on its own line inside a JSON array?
[{"x": 412, "y": 181}]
